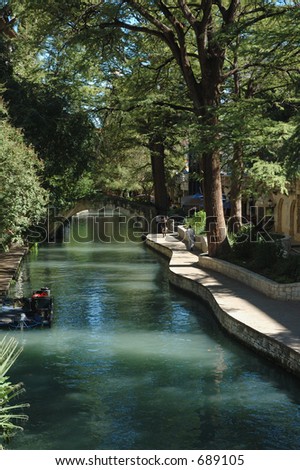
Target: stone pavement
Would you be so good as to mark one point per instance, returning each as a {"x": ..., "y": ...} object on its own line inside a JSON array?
[
  {"x": 9, "y": 267},
  {"x": 272, "y": 327}
]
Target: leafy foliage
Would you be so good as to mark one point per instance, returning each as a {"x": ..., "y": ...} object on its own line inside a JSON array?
[
  {"x": 63, "y": 136},
  {"x": 9, "y": 413},
  {"x": 290, "y": 152},
  {"x": 22, "y": 197},
  {"x": 264, "y": 177},
  {"x": 141, "y": 106},
  {"x": 197, "y": 222},
  {"x": 263, "y": 253},
  {"x": 138, "y": 71}
]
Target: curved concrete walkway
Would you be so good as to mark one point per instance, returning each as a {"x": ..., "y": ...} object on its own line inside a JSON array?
[{"x": 270, "y": 327}]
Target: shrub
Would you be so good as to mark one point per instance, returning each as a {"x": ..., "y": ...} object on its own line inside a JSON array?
[
  {"x": 264, "y": 254},
  {"x": 287, "y": 269},
  {"x": 242, "y": 243},
  {"x": 197, "y": 222}
]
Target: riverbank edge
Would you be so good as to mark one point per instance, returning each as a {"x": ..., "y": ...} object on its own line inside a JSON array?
[
  {"x": 10, "y": 265},
  {"x": 272, "y": 349}
]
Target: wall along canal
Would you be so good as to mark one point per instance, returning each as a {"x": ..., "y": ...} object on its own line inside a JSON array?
[{"x": 130, "y": 363}]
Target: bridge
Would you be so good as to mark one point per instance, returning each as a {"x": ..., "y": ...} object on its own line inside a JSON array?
[
  {"x": 102, "y": 202},
  {"x": 100, "y": 205}
]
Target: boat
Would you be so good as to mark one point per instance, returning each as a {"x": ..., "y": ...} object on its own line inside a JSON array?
[{"x": 23, "y": 313}]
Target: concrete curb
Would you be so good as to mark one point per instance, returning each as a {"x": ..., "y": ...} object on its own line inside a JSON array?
[{"x": 185, "y": 274}]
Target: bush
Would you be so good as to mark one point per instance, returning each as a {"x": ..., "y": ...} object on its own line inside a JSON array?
[
  {"x": 22, "y": 197},
  {"x": 242, "y": 245},
  {"x": 197, "y": 222},
  {"x": 264, "y": 255},
  {"x": 287, "y": 270}
]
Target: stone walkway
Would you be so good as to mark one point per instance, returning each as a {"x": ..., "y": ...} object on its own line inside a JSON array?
[
  {"x": 9, "y": 267},
  {"x": 272, "y": 327}
]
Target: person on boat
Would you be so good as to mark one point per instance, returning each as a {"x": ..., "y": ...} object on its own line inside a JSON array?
[{"x": 23, "y": 320}]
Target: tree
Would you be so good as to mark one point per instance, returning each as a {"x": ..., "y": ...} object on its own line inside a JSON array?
[
  {"x": 23, "y": 200},
  {"x": 51, "y": 115},
  {"x": 264, "y": 76},
  {"x": 289, "y": 153},
  {"x": 123, "y": 164},
  {"x": 142, "y": 113},
  {"x": 197, "y": 35}
]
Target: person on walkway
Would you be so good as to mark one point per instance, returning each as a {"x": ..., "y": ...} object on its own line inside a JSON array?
[
  {"x": 161, "y": 221},
  {"x": 164, "y": 228},
  {"x": 190, "y": 235}
]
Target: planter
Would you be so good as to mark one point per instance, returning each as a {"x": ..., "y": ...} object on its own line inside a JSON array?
[{"x": 256, "y": 281}]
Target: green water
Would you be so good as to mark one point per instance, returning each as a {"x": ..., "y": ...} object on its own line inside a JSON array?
[{"x": 131, "y": 363}]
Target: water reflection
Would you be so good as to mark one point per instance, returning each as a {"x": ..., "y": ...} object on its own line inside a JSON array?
[{"x": 131, "y": 363}]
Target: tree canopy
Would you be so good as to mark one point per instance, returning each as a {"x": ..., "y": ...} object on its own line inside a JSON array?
[{"x": 109, "y": 84}]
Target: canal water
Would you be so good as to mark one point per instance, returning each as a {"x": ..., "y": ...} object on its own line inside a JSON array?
[{"x": 132, "y": 363}]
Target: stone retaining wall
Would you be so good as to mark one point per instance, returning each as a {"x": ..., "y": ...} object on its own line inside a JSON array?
[
  {"x": 268, "y": 287},
  {"x": 264, "y": 345}
]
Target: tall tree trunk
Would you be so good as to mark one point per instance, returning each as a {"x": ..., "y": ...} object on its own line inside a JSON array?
[
  {"x": 218, "y": 243},
  {"x": 216, "y": 227},
  {"x": 157, "y": 152}
]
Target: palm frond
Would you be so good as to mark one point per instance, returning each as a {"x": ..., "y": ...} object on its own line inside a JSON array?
[{"x": 9, "y": 352}]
